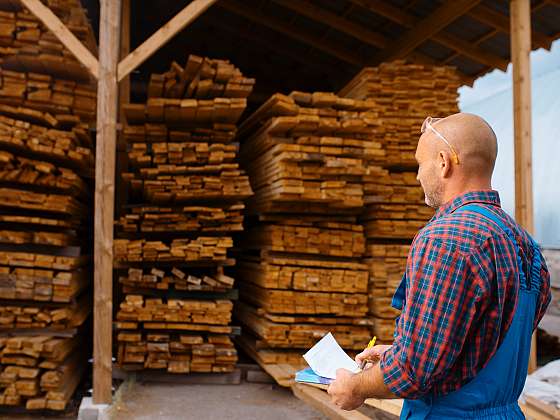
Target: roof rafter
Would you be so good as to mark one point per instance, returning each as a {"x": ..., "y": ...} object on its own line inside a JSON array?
[
  {"x": 497, "y": 20},
  {"x": 311, "y": 11},
  {"x": 452, "y": 42},
  {"x": 425, "y": 29},
  {"x": 305, "y": 8},
  {"x": 267, "y": 42},
  {"x": 240, "y": 9}
]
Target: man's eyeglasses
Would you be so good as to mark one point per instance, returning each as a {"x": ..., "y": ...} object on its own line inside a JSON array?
[{"x": 428, "y": 124}]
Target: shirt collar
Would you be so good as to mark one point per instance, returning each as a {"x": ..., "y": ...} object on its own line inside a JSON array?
[{"x": 486, "y": 196}]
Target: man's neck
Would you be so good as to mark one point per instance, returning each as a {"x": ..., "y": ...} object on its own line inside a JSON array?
[{"x": 458, "y": 191}]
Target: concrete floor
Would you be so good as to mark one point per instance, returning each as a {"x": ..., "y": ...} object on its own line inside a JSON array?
[{"x": 152, "y": 401}]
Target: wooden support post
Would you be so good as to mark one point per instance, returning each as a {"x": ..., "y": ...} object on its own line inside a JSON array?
[
  {"x": 193, "y": 10},
  {"x": 520, "y": 20},
  {"x": 107, "y": 93},
  {"x": 124, "y": 85},
  {"x": 67, "y": 38}
]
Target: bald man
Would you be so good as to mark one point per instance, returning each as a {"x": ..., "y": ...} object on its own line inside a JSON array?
[{"x": 474, "y": 289}]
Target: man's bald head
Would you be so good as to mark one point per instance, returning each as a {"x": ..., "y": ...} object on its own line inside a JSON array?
[{"x": 476, "y": 146}]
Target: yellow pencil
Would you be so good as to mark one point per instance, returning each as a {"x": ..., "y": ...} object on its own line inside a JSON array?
[{"x": 369, "y": 346}]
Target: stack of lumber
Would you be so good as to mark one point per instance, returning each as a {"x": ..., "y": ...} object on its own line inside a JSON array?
[
  {"x": 176, "y": 279},
  {"x": 307, "y": 156},
  {"x": 402, "y": 95},
  {"x": 202, "y": 78},
  {"x": 176, "y": 353},
  {"x": 27, "y": 45},
  {"x": 64, "y": 99},
  {"x": 40, "y": 372},
  {"x": 184, "y": 203},
  {"x": 183, "y": 219},
  {"x": 177, "y": 250},
  {"x": 35, "y": 317},
  {"x": 47, "y": 104},
  {"x": 405, "y": 94}
]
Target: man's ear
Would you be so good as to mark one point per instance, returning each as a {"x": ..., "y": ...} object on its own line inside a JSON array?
[{"x": 444, "y": 164}]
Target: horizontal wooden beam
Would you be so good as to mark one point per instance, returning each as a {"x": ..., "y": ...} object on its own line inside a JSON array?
[
  {"x": 388, "y": 11},
  {"x": 473, "y": 52},
  {"x": 64, "y": 35},
  {"x": 269, "y": 44},
  {"x": 452, "y": 42},
  {"x": 501, "y": 22},
  {"x": 425, "y": 29},
  {"x": 314, "y": 12},
  {"x": 162, "y": 35},
  {"x": 294, "y": 32}
]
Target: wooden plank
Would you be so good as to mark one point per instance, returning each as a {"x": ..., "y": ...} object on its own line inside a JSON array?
[
  {"x": 549, "y": 409},
  {"x": 520, "y": 13},
  {"x": 320, "y": 400},
  {"x": 163, "y": 34},
  {"x": 104, "y": 197},
  {"x": 51, "y": 21}
]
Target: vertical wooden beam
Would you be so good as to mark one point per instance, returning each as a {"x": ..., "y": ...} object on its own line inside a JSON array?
[
  {"x": 124, "y": 85},
  {"x": 107, "y": 93},
  {"x": 520, "y": 21},
  {"x": 124, "y": 98}
]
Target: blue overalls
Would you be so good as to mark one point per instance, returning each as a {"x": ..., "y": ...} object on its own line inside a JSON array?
[{"x": 494, "y": 391}]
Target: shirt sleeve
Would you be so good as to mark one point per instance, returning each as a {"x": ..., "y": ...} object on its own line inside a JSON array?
[{"x": 443, "y": 297}]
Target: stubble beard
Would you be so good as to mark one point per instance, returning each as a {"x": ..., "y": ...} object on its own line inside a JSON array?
[{"x": 433, "y": 196}]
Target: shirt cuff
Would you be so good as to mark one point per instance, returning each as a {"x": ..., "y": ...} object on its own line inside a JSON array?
[{"x": 395, "y": 376}]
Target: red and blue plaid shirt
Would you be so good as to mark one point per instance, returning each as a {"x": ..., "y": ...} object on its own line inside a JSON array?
[{"x": 461, "y": 294}]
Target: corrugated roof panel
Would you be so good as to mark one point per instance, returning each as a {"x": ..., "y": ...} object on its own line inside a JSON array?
[
  {"x": 467, "y": 66},
  {"x": 434, "y": 50},
  {"x": 423, "y": 8},
  {"x": 307, "y": 25},
  {"x": 274, "y": 10},
  {"x": 547, "y": 20},
  {"x": 334, "y": 6},
  {"x": 367, "y": 19},
  {"x": 497, "y": 45},
  {"x": 342, "y": 40},
  {"x": 467, "y": 28},
  {"x": 501, "y": 6}
]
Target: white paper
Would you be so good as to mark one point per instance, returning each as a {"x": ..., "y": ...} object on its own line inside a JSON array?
[{"x": 327, "y": 356}]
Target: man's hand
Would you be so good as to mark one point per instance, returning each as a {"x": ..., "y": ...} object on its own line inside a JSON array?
[
  {"x": 343, "y": 391},
  {"x": 371, "y": 355}
]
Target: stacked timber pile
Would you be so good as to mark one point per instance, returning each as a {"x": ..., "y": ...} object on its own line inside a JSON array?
[
  {"x": 185, "y": 202},
  {"x": 403, "y": 96},
  {"x": 300, "y": 273},
  {"x": 40, "y": 372},
  {"x": 47, "y": 103},
  {"x": 27, "y": 45}
]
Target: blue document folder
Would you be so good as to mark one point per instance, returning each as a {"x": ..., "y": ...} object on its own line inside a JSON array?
[{"x": 308, "y": 376}]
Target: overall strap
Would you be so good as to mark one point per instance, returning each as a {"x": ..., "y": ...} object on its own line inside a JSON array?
[{"x": 535, "y": 281}]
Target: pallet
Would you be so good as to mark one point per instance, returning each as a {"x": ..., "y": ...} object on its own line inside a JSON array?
[{"x": 230, "y": 378}]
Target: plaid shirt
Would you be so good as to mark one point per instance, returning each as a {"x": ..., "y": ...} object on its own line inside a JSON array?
[{"x": 461, "y": 294}]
